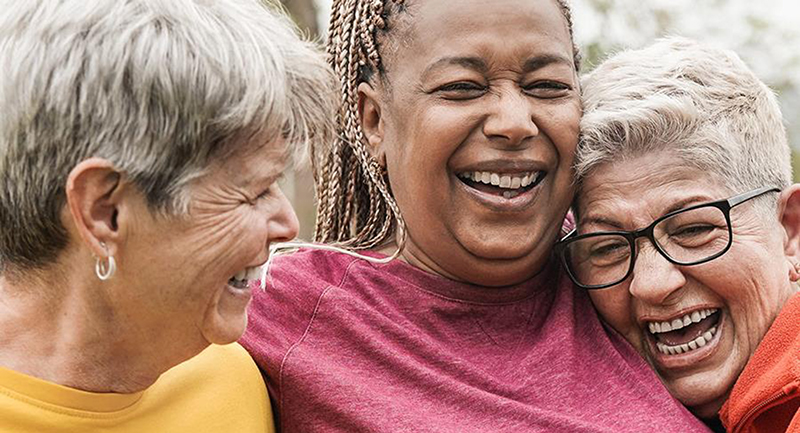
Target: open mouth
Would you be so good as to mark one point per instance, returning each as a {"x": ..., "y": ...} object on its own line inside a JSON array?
[
  {"x": 245, "y": 278},
  {"x": 502, "y": 184},
  {"x": 687, "y": 333}
]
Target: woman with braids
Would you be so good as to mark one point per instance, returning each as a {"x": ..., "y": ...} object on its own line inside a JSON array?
[{"x": 440, "y": 307}]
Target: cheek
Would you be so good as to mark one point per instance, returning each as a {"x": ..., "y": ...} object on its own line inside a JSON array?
[
  {"x": 614, "y": 306},
  {"x": 561, "y": 123},
  {"x": 226, "y": 240},
  {"x": 565, "y": 133}
]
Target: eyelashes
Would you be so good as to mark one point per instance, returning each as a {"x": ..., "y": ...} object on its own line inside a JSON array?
[{"x": 467, "y": 90}]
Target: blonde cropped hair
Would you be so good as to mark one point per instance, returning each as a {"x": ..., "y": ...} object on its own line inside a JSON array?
[
  {"x": 159, "y": 88},
  {"x": 699, "y": 104}
]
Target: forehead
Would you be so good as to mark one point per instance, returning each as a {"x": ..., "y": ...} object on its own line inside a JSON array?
[
  {"x": 255, "y": 159},
  {"x": 521, "y": 27},
  {"x": 645, "y": 188}
]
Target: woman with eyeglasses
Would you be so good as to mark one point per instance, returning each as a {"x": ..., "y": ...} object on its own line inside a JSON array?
[{"x": 688, "y": 229}]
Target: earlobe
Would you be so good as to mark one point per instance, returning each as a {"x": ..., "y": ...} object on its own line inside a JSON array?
[
  {"x": 789, "y": 214},
  {"x": 93, "y": 193},
  {"x": 370, "y": 116}
]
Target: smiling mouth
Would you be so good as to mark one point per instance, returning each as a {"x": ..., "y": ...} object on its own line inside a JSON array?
[
  {"x": 686, "y": 333},
  {"x": 245, "y": 278},
  {"x": 503, "y": 185}
]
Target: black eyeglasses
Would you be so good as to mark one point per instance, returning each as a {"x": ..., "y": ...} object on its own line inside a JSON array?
[{"x": 685, "y": 237}]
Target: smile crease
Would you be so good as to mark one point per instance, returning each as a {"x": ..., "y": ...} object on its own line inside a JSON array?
[{"x": 685, "y": 334}]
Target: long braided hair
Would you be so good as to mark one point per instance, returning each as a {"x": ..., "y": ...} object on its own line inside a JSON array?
[{"x": 355, "y": 208}]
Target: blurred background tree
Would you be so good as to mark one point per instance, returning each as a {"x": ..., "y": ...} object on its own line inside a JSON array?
[
  {"x": 299, "y": 184},
  {"x": 764, "y": 33}
]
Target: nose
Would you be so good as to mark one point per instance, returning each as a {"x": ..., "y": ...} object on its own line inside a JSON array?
[
  {"x": 654, "y": 278},
  {"x": 282, "y": 224},
  {"x": 511, "y": 119}
]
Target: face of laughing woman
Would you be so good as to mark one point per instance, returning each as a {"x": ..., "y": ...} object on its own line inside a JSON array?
[
  {"x": 477, "y": 122},
  {"x": 728, "y": 302}
]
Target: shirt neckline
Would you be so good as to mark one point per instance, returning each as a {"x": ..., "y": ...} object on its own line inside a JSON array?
[{"x": 58, "y": 397}]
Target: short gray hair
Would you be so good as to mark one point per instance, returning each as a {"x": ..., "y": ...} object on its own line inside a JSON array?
[
  {"x": 157, "y": 87},
  {"x": 702, "y": 104}
]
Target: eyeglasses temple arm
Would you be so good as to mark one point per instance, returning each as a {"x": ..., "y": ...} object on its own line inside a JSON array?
[
  {"x": 568, "y": 235},
  {"x": 741, "y": 198}
]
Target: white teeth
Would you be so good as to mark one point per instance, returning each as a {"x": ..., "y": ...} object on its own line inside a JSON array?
[
  {"x": 682, "y": 322},
  {"x": 248, "y": 274},
  {"x": 501, "y": 180},
  {"x": 254, "y": 272},
  {"x": 687, "y": 347}
]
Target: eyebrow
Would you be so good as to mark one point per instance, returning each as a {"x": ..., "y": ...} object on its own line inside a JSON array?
[
  {"x": 540, "y": 61},
  {"x": 474, "y": 63},
  {"x": 477, "y": 64},
  {"x": 689, "y": 201}
]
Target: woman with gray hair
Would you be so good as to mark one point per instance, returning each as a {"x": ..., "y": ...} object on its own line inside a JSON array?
[
  {"x": 140, "y": 146},
  {"x": 684, "y": 146}
]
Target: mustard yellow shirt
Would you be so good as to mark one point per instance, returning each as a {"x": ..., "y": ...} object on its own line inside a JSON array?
[{"x": 219, "y": 390}]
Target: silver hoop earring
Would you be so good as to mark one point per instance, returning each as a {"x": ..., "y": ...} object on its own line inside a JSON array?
[{"x": 105, "y": 267}]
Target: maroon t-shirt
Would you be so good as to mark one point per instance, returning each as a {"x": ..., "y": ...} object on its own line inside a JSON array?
[{"x": 348, "y": 345}]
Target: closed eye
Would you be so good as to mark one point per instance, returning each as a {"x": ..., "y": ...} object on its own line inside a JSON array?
[
  {"x": 267, "y": 192},
  {"x": 461, "y": 90},
  {"x": 546, "y": 89}
]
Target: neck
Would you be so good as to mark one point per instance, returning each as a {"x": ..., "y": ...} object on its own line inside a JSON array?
[{"x": 66, "y": 329}]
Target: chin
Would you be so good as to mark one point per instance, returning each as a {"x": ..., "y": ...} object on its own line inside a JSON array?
[
  {"x": 703, "y": 393},
  {"x": 509, "y": 247},
  {"x": 225, "y": 330}
]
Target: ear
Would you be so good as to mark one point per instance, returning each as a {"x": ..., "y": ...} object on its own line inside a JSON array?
[
  {"x": 369, "y": 114},
  {"x": 789, "y": 215},
  {"x": 93, "y": 195}
]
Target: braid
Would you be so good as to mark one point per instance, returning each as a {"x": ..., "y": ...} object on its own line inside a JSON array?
[
  {"x": 566, "y": 10},
  {"x": 356, "y": 209}
]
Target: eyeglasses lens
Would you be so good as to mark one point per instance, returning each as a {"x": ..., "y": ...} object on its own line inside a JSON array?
[{"x": 687, "y": 238}]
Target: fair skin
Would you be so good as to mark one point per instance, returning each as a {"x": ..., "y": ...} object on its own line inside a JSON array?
[
  {"x": 172, "y": 294},
  {"x": 486, "y": 87},
  {"x": 745, "y": 288}
]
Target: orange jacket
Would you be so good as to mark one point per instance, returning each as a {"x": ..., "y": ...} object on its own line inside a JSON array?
[{"x": 766, "y": 397}]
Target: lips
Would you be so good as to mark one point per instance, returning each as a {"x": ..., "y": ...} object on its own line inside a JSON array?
[{"x": 683, "y": 340}]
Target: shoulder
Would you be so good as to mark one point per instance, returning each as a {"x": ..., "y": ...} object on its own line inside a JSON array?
[
  {"x": 309, "y": 266},
  {"x": 279, "y": 315},
  {"x": 298, "y": 279},
  {"x": 218, "y": 367},
  {"x": 219, "y": 389}
]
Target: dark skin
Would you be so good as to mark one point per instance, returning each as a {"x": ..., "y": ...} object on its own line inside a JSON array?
[{"x": 486, "y": 86}]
